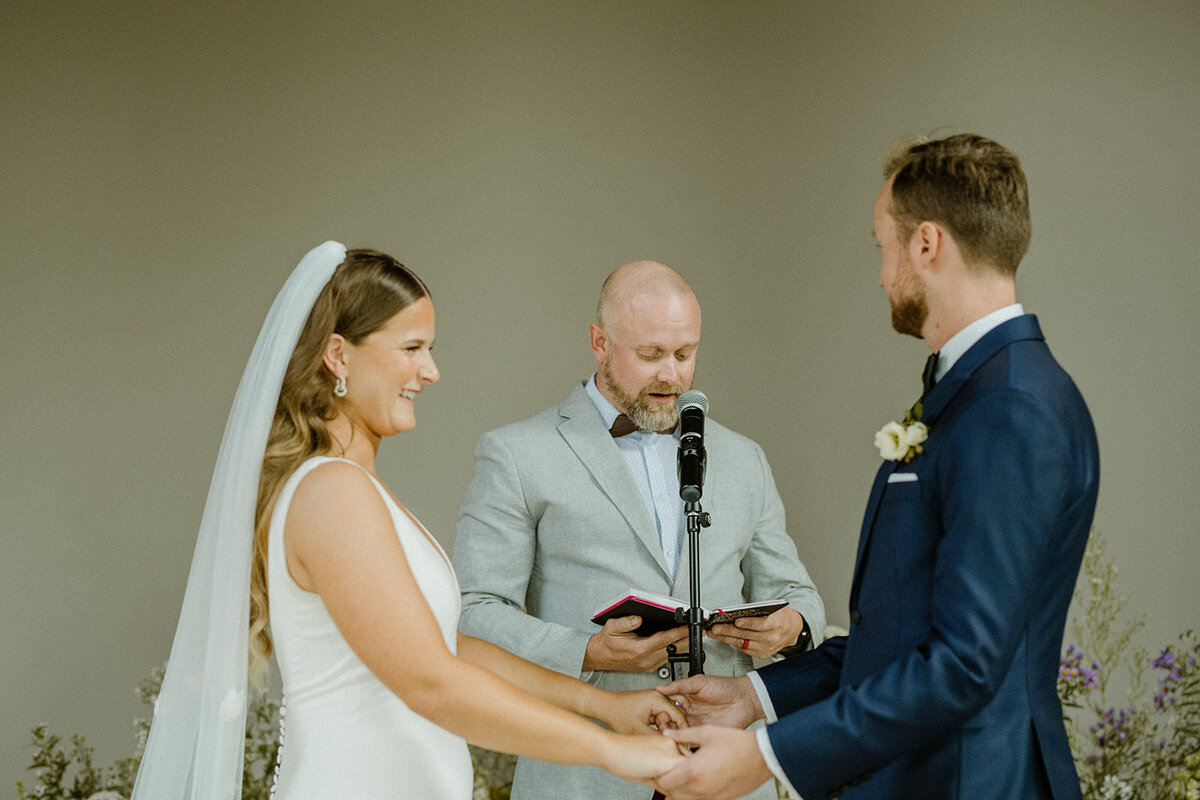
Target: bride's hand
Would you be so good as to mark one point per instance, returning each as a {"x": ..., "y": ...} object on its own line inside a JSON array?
[
  {"x": 641, "y": 758},
  {"x": 645, "y": 711}
]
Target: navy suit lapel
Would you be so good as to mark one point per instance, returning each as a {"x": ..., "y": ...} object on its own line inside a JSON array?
[
  {"x": 995, "y": 340},
  {"x": 584, "y": 433},
  {"x": 881, "y": 477}
]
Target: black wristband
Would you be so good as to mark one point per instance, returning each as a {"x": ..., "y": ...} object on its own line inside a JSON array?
[{"x": 803, "y": 642}]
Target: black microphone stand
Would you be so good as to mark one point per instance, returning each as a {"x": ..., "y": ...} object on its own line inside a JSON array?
[
  {"x": 697, "y": 518},
  {"x": 692, "y": 461}
]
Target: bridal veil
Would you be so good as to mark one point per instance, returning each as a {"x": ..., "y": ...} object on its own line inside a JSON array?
[{"x": 197, "y": 737}]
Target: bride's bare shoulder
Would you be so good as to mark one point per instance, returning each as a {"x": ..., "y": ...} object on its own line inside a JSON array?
[{"x": 335, "y": 489}]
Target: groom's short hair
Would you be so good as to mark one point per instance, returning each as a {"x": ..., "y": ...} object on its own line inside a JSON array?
[{"x": 969, "y": 184}]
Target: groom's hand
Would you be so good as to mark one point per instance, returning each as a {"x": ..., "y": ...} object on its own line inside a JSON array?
[
  {"x": 617, "y": 647},
  {"x": 716, "y": 700},
  {"x": 727, "y": 765}
]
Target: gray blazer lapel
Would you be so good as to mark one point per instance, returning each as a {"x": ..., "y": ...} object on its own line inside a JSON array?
[{"x": 584, "y": 433}]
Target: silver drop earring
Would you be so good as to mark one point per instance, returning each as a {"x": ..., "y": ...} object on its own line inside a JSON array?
[{"x": 339, "y": 386}]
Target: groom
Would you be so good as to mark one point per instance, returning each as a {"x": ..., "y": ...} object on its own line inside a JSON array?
[{"x": 970, "y": 546}]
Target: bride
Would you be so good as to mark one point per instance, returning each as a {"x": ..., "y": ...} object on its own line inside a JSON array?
[{"x": 380, "y": 692}]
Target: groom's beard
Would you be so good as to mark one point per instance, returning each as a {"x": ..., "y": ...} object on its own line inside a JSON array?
[
  {"x": 646, "y": 416},
  {"x": 909, "y": 313},
  {"x": 909, "y": 310}
]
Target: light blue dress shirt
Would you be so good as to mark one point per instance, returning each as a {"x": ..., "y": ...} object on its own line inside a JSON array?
[{"x": 651, "y": 460}]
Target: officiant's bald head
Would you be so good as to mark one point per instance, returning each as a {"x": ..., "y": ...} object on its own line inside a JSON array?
[
  {"x": 638, "y": 283},
  {"x": 645, "y": 338}
]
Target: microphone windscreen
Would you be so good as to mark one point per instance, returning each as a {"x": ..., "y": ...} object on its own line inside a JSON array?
[{"x": 692, "y": 399}]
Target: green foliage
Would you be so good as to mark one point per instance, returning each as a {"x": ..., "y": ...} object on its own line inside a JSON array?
[
  {"x": 68, "y": 773},
  {"x": 62, "y": 774},
  {"x": 493, "y": 774}
]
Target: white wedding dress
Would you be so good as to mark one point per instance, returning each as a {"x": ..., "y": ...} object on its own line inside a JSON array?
[{"x": 345, "y": 734}]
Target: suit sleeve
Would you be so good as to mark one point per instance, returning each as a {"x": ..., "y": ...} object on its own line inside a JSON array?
[
  {"x": 494, "y": 548},
  {"x": 1004, "y": 484},
  {"x": 804, "y": 679},
  {"x": 771, "y": 566}
]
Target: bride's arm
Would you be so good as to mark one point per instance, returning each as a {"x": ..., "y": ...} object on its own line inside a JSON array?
[
  {"x": 625, "y": 712},
  {"x": 340, "y": 543}
]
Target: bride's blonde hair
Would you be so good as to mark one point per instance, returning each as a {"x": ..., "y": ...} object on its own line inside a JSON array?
[{"x": 366, "y": 290}]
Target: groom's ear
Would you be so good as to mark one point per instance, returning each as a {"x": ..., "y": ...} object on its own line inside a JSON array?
[
  {"x": 334, "y": 356},
  {"x": 927, "y": 248}
]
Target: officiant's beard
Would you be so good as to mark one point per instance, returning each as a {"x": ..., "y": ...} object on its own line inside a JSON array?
[{"x": 647, "y": 416}]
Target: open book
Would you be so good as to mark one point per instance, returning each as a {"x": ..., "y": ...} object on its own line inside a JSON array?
[{"x": 658, "y": 611}]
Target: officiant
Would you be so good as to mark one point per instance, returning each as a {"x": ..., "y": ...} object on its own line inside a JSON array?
[{"x": 581, "y": 502}]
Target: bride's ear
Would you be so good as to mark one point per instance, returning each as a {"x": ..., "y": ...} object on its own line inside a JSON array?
[{"x": 335, "y": 355}]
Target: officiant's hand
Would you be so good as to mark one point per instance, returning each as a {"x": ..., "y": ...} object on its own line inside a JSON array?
[
  {"x": 617, "y": 647},
  {"x": 716, "y": 700},
  {"x": 761, "y": 637},
  {"x": 643, "y": 711}
]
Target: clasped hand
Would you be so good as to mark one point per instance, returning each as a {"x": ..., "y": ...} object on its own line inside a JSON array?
[{"x": 726, "y": 762}]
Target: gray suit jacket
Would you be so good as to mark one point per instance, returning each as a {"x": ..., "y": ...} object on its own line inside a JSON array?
[{"x": 553, "y": 526}]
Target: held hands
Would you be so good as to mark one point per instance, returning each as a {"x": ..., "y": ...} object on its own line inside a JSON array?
[
  {"x": 644, "y": 711},
  {"x": 617, "y": 647},
  {"x": 640, "y": 758},
  {"x": 715, "y": 700},
  {"x": 761, "y": 637},
  {"x": 727, "y": 765}
]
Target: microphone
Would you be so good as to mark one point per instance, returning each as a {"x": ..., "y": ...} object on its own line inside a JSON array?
[{"x": 692, "y": 407}]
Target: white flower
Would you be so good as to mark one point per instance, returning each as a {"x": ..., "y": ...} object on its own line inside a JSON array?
[
  {"x": 891, "y": 441},
  {"x": 1114, "y": 788},
  {"x": 915, "y": 434}
]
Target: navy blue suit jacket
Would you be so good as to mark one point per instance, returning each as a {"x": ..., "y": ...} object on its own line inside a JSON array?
[{"x": 945, "y": 686}]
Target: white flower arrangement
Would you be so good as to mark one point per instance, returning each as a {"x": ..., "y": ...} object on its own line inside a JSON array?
[{"x": 903, "y": 441}]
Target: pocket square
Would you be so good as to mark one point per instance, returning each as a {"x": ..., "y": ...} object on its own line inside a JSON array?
[{"x": 902, "y": 477}]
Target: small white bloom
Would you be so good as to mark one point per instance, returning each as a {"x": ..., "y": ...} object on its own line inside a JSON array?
[
  {"x": 915, "y": 434},
  {"x": 1114, "y": 788},
  {"x": 891, "y": 442}
]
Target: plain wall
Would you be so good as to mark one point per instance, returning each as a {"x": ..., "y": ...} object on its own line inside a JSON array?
[{"x": 164, "y": 166}]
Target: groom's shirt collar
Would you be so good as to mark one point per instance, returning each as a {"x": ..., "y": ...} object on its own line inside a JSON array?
[{"x": 962, "y": 341}]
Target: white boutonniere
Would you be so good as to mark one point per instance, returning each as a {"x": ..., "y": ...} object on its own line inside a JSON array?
[{"x": 902, "y": 441}]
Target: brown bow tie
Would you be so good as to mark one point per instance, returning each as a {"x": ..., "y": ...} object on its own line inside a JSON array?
[{"x": 623, "y": 426}]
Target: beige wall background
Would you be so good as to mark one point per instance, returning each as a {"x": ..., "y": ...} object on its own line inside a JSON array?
[{"x": 164, "y": 166}]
